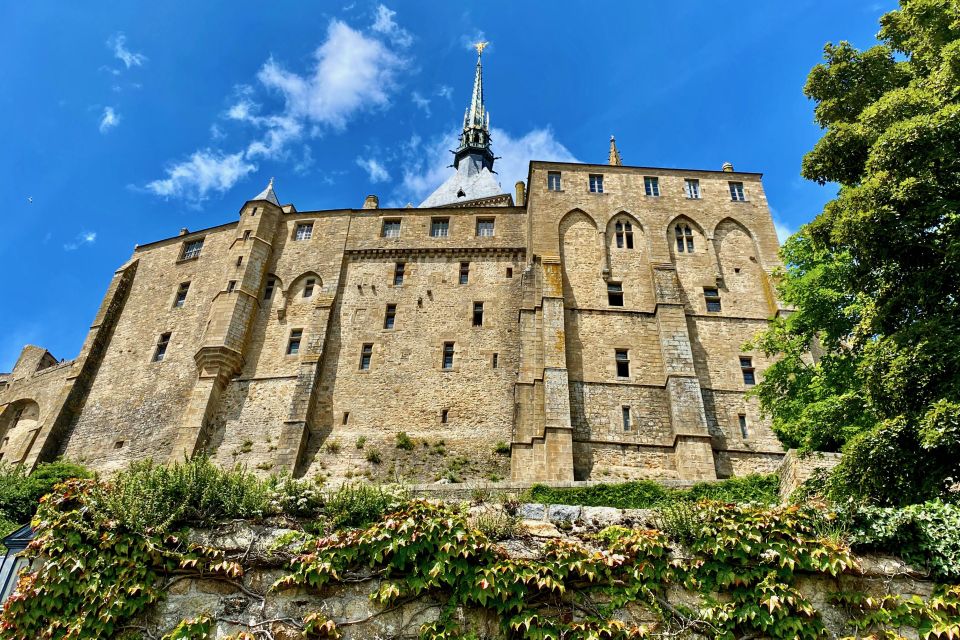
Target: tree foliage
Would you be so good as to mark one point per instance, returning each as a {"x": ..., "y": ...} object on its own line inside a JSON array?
[{"x": 875, "y": 278}]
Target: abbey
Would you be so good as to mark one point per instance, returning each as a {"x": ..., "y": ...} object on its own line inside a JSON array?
[{"x": 588, "y": 326}]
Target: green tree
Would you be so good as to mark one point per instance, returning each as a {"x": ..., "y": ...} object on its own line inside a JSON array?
[{"x": 875, "y": 278}]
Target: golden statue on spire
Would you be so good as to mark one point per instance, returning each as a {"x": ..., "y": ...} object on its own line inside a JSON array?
[{"x": 480, "y": 46}]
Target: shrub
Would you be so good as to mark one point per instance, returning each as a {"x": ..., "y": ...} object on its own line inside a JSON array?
[
  {"x": 373, "y": 456},
  {"x": 680, "y": 520},
  {"x": 332, "y": 446},
  {"x": 298, "y": 498},
  {"x": 20, "y": 493},
  {"x": 362, "y": 440},
  {"x": 497, "y": 525},
  {"x": 502, "y": 448},
  {"x": 404, "y": 442},
  {"x": 756, "y": 487},
  {"x": 355, "y": 504}
]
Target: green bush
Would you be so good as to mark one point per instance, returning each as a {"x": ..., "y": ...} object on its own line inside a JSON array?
[
  {"x": 362, "y": 440},
  {"x": 502, "y": 448},
  {"x": 20, "y": 493},
  {"x": 292, "y": 497},
  {"x": 756, "y": 487},
  {"x": 404, "y": 442},
  {"x": 355, "y": 504},
  {"x": 373, "y": 456}
]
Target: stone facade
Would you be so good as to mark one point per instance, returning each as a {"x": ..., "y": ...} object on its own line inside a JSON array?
[{"x": 539, "y": 371}]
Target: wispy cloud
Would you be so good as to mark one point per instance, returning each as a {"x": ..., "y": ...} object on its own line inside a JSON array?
[
  {"x": 445, "y": 91},
  {"x": 108, "y": 120},
  {"x": 83, "y": 238},
  {"x": 375, "y": 171},
  {"x": 386, "y": 25},
  {"x": 784, "y": 230},
  {"x": 203, "y": 172},
  {"x": 119, "y": 45},
  {"x": 420, "y": 102},
  {"x": 467, "y": 40}
]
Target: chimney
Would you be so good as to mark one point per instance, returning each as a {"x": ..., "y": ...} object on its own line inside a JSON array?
[
  {"x": 727, "y": 167},
  {"x": 521, "y": 198},
  {"x": 372, "y": 202},
  {"x": 184, "y": 231}
]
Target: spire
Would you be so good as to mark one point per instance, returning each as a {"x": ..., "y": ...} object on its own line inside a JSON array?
[
  {"x": 614, "y": 159},
  {"x": 475, "y": 137},
  {"x": 268, "y": 194}
]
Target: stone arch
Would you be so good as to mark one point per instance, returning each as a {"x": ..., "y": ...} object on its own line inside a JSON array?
[
  {"x": 295, "y": 291},
  {"x": 690, "y": 232},
  {"x": 746, "y": 289},
  {"x": 628, "y": 259},
  {"x": 19, "y": 425},
  {"x": 582, "y": 259}
]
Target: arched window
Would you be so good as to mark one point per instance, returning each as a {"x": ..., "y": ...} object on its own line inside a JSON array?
[
  {"x": 624, "y": 234},
  {"x": 684, "y": 238}
]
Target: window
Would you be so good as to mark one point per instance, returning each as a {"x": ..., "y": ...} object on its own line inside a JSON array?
[
  {"x": 478, "y": 314},
  {"x": 553, "y": 180},
  {"x": 684, "y": 237},
  {"x": 485, "y": 227},
  {"x": 391, "y": 229},
  {"x": 440, "y": 227},
  {"x": 624, "y": 234},
  {"x": 118, "y": 444},
  {"x": 231, "y": 286},
  {"x": 304, "y": 231},
  {"x": 161, "y": 349},
  {"x": 651, "y": 186},
  {"x": 246, "y": 235},
  {"x": 346, "y": 417},
  {"x": 390, "y": 317},
  {"x": 444, "y": 416},
  {"x": 692, "y": 188},
  {"x": 398, "y": 271},
  {"x": 615, "y": 294},
  {"x": 736, "y": 192},
  {"x": 181, "y": 295},
  {"x": 254, "y": 212},
  {"x": 622, "y": 357},
  {"x": 239, "y": 260},
  {"x": 308, "y": 287},
  {"x": 744, "y": 429},
  {"x": 495, "y": 360},
  {"x": 746, "y": 367},
  {"x": 293, "y": 344},
  {"x": 268, "y": 291},
  {"x": 625, "y": 412},
  {"x": 712, "y": 298},
  {"x": 366, "y": 354},
  {"x": 192, "y": 249},
  {"x": 448, "y": 355},
  {"x": 464, "y": 272},
  {"x": 509, "y": 272},
  {"x": 596, "y": 183}
]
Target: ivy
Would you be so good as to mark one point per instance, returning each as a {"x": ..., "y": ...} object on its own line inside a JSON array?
[{"x": 937, "y": 617}]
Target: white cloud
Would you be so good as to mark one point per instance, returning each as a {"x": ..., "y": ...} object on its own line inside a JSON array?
[
  {"x": 203, "y": 172},
  {"x": 386, "y": 25},
  {"x": 375, "y": 171},
  {"x": 84, "y": 237},
  {"x": 108, "y": 120},
  {"x": 784, "y": 230},
  {"x": 130, "y": 59},
  {"x": 468, "y": 40},
  {"x": 445, "y": 91},
  {"x": 420, "y": 102}
]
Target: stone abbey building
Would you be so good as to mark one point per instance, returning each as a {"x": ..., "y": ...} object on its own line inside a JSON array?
[{"x": 588, "y": 326}]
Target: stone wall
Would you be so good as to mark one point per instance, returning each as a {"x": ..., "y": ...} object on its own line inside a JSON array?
[{"x": 797, "y": 468}]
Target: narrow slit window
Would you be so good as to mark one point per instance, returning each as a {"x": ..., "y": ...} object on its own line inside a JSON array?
[
  {"x": 304, "y": 231},
  {"x": 308, "y": 287},
  {"x": 231, "y": 286},
  {"x": 246, "y": 235},
  {"x": 391, "y": 229},
  {"x": 181, "y": 295},
  {"x": 744, "y": 428},
  {"x": 161, "y": 350},
  {"x": 239, "y": 260},
  {"x": 712, "y": 298},
  {"x": 444, "y": 416},
  {"x": 615, "y": 294},
  {"x": 553, "y": 181},
  {"x": 596, "y": 183},
  {"x": 627, "y": 422},
  {"x": 485, "y": 227},
  {"x": 749, "y": 373},
  {"x": 495, "y": 360},
  {"x": 346, "y": 417},
  {"x": 622, "y": 357},
  {"x": 464, "y": 272},
  {"x": 293, "y": 343},
  {"x": 736, "y": 192},
  {"x": 651, "y": 186},
  {"x": 268, "y": 290},
  {"x": 253, "y": 212},
  {"x": 509, "y": 272},
  {"x": 448, "y": 355},
  {"x": 398, "y": 272},
  {"x": 478, "y": 314},
  {"x": 366, "y": 354},
  {"x": 390, "y": 317}
]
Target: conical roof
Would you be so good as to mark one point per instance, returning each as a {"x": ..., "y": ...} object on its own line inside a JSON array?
[{"x": 268, "y": 194}]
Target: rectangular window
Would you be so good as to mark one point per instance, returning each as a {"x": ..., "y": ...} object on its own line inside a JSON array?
[
  {"x": 744, "y": 429},
  {"x": 615, "y": 294},
  {"x": 651, "y": 186},
  {"x": 736, "y": 192},
  {"x": 627, "y": 423},
  {"x": 444, "y": 416},
  {"x": 596, "y": 183},
  {"x": 391, "y": 229},
  {"x": 390, "y": 317},
  {"x": 495, "y": 360},
  {"x": 485, "y": 227},
  {"x": 161, "y": 349},
  {"x": 246, "y": 235},
  {"x": 478, "y": 314},
  {"x": 623, "y": 363},
  {"x": 553, "y": 180},
  {"x": 308, "y": 287},
  {"x": 398, "y": 272},
  {"x": 448, "y": 355},
  {"x": 268, "y": 290},
  {"x": 439, "y": 227},
  {"x": 304, "y": 231},
  {"x": 181, "y": 295},
  {"x": 464, "y": 272},
  {"x": 366, "y": 354},
  {"x": 192, "y": 249},
  {"x": 746, "y": 367},
  {"x": 231, "y": 286},
  {"x": 254, "y": 212},
  {"x": 239, "y": 260},
  {"x": 293, "y": 344},
  {"x": 692, "y": 188},
  {"x": 509, "y": 272},
  {"x": 712, "y": 298},
  {"x": 346, "y": 417}
]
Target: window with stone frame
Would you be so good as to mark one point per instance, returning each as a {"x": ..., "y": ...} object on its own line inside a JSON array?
[
  {"x": 623, "y": 233},
  {"x": 744, "y": 428},
  {"x": 748, "y": 371},
  {"x": 366, "y": 355},
  {"x": 181, "y": 296},
  {"x": 448, "y": 355},
  {"x": 691, "y": 187},
  {"x": 439, "y": 227},
  {"x": 160, "y": 352},
  {"x": 391, "y": 228},
  {"x": 622, "y": 359},
  {"x": 651, "y": 186},
  {"x": 627, "y": 421},
  {"x": 191, "y": 249},
  {"x": 390, "y": 316},
  {"x": 485, "y": 227},
  {"x": 308, "y": 286},
  {"x": 711, "y": 296},
  {"x": 596, "y": 183},
  {"x": 268, "y": 289},
  {"x": 304, "y": 231},
  {"x": 478, "y": 314},
  {"x": 553, "y": 181},
  {"x": 464, "y": 272},
  {"x": 293, "y": 342},
  {"x": 615, "y": 294},
  {"x": 399, "y": 270},
  {"x": 684, "y": 235},
  {"x": 736, "y": 192}
]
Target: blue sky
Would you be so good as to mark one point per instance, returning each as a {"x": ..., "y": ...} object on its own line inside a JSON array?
[{"x": 122, "y": 122}]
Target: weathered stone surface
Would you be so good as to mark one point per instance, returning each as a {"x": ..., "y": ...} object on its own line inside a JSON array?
[
  {"x": 541, "y": 529},
  {"x": 557, "y": 513},
  {"x": 532, "y": 511}
]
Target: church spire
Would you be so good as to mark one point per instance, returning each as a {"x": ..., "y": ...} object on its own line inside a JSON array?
[
  {"x": 475, "y": 137},
  {"x": 614, "y": 160}
]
